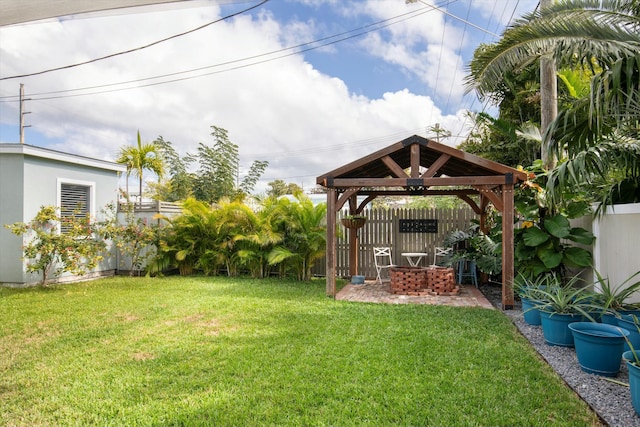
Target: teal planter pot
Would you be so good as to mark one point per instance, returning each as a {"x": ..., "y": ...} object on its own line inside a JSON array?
[
  {"x": 555, "y": 328},
  {"x": 529, "y": 312},
  {"x": 599, "y": 347},
  {"x": 612, "y": 319},
  {"x": 609, "y": 319},
  {"x": 634, "y": 380},
  {"x": 627, "y": 323}
]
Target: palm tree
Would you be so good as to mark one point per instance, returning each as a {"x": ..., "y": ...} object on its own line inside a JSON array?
[
  {"x": 598, "y": 134},
  {"x": 304, "y": 234},
  {"x": 141, "y": 158}
]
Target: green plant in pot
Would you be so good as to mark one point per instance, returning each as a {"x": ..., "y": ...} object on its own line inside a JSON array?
[
  {"x": 631, "y": 323},
  {"x": 561, "y": 304},
  {"x": 632, "y": 358},
  {"x": 528, "y": 291},
  {"x": 485, "y": 250},
  {"x": 613, "y": 299},
  {"x": 353, "y": 221}
]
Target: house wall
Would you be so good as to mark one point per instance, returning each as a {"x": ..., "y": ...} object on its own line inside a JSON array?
[
  {"x": 30, "y": 178},
  {"x": 11, "y": 211}
]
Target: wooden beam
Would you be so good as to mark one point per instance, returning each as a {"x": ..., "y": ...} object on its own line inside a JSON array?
[
  {"x": 353, "y": 238},
  {"x": 366, "y": 201},
  {"x": 425, "y": 192},
  {"x": 488, "y": 193},
  {"x": 471, "y": 203},
  {"x": 331, "y": 243},
  {"x": 344, "y": 197},
  {"x": 394, "y": 167},
  {"x": 426, "y": 182},
  {"x": 435, "y": 166},
  {"x": 507, "y": 247},
  {"x": 483, "y": 215},
  {"x": 415, "y": 161},
  {"x": 478, "y": 161}
]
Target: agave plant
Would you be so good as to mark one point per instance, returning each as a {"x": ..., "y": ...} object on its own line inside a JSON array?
[
  {"x": 613, "y": 298},
  {"x": 567, "y": 298}
]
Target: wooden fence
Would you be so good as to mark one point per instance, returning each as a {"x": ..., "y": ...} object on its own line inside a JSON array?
[
  {"x": 404, "y": 230},
  {"x": 154, "y": 206}
]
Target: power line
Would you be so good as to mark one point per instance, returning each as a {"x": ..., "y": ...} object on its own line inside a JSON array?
[
  {"x": 137, "y": 48},
  {"x": 350, "y": 34}
]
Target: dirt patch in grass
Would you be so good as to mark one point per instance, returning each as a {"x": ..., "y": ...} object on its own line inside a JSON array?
[{"x": 141, "y": 356}]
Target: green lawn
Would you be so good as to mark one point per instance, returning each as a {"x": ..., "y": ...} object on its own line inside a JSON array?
[{"x": 215, "y": 351}]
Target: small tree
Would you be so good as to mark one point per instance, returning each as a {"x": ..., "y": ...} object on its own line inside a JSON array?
[
  {"x": 134, "y": 238},
  {"x": 52, "y": 252}
]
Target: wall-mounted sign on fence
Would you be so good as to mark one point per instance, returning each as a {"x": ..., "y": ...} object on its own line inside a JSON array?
[{"x": 418, "y": 225}]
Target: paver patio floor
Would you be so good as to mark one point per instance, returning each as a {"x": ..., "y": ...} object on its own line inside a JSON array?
[{"x": 370, "y": 291}]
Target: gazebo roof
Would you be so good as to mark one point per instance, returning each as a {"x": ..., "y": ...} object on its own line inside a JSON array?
[{"x": 429, "y": 164}]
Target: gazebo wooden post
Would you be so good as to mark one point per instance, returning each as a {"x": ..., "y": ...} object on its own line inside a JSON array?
[
  {"x": 507, "y": 245},
  {"x": 331, "y": 242},
  {"x": 353, "y": 239}
]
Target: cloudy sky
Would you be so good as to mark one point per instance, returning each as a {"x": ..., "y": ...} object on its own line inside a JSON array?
[{"x": 307, "y": 85}]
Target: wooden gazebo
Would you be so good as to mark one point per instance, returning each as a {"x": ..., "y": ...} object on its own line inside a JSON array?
[{"x": 417, "y": 166}]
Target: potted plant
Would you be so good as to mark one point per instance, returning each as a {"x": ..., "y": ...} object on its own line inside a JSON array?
[
  {"x": 599, "y": 347},
  {"x": 354, "y": 221},
  {"x": 613, "y": 299},
  {"x": 562, "y": 304},
  {"x": 527, "y": 290},
  {"x": 632, "y": 358},
  {"x": 633, "y": 365},
  {"x": 472, "y": 245},
  {"x": 631, "y": 323}
]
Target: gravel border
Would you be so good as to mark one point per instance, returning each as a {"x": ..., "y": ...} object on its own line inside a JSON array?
[{"x": 612, "y": 402}]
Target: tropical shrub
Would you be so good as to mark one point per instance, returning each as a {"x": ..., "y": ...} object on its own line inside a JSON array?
[
  {"x": 51, "y": 252},
  {"x": 283, "y": 235},
  {"x": 545, "y": 241},
  {"x": 304, "y": 231},
  {"x": 134, "y": 237}
]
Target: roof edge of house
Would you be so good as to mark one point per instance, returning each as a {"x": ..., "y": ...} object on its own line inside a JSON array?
[{"x": 46, "y": 153}]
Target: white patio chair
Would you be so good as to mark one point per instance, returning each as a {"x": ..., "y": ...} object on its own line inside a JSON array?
[
  {"x": 440, "y": 252},
  {"x": 383, "y": 260}
]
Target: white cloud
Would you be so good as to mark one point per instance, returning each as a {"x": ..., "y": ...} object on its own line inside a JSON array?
[{"x": 285, "y": 111}]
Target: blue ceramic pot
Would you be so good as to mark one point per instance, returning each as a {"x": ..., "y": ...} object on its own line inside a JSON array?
[
  {"x": 634, "y": 380},
  {"x": 555, "y": 328},
  {"x": 529, "y": 312},
  {"x": 626, "y": 322},
  {"x": 599, "y": 347}
]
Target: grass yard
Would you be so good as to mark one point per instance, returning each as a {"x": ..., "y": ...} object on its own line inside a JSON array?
[{"x": 210, "y": 351}]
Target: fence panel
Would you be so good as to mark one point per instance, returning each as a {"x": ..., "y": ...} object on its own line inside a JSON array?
[{"x": 383, "y": 229}]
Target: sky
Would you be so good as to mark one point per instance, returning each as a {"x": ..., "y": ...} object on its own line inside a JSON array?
[{"x": 307, "y": 85}]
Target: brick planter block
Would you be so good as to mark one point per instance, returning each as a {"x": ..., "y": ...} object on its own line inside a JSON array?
[
  {"x": 441, "y": 281},
  {"x": 406, "y": 280}
]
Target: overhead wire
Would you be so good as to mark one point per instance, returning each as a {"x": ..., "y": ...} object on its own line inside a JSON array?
[
  {"x": 487, "y": 102},
  {"x": 137, "y": 48},
  {"x": 370, "y": 141},
  {"x": 459, "y": 135},
  {"x": 314, "y": 44},
  {"x": 464, "y": 32}
]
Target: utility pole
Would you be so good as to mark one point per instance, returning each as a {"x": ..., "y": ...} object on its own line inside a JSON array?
[
  {"x": 548, "y": 98},
  {"x": 22, "y": 113}
]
